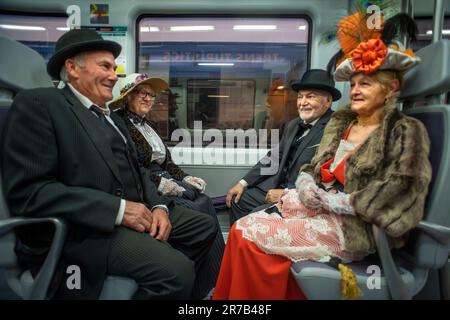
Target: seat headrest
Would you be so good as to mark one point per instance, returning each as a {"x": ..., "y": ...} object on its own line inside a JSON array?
[
  {"x": 432, "y": 75},
  {"x": 22, "y": 67}
]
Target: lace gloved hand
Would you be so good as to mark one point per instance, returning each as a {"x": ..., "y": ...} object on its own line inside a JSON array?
[
  {"x": 168, "y": 187},
  {"x": 308, "y": 191},
  {"x": 337, "y": 202},
  {"x": 196, "y": 182},
  {"x": 190, "y": 192}
]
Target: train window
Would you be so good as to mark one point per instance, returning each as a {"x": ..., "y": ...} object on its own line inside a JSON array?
[
  {"x": 425, "y": 34},
  {"x": 221, "y": 104},
  {"x": 40, "y": 32},
  {"x": 224, "y": 72}
]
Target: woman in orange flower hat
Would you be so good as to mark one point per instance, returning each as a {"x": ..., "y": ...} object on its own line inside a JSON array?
[{"x": 371, "y": 167}]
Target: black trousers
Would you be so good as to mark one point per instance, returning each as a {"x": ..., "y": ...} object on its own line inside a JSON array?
[
  {"x": 250, "y": 199},
  {"x": 207, "y": 276},
  {"x": 164, "y": 269}
]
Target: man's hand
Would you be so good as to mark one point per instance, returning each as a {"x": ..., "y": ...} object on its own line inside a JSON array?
[
  {"x": 274, "y": 195},
  {"x": 161, "y": 225},
  {"x": 137, "y": 216},
  {"x": 237, "y": 190}
]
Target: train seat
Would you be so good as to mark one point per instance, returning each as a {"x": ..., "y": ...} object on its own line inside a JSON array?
[
  {"x": 406, "y": 272},
  {"x": 30, "y": 72}
]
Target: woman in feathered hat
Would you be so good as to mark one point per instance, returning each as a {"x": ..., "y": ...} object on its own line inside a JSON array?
[
  {"x": 371, "y": 167},
  {"x": 137, "y": 96}
]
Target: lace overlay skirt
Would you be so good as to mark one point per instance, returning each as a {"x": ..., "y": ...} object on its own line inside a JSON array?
[{"x": 301, "y": 234}]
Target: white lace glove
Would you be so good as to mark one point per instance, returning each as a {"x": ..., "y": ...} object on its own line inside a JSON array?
[
  {"x": 169, "y": 188},
  {"x": 197, "y": 183},
  {"x": 338, "y": 202},
  {"x": 308, "y": 191}
]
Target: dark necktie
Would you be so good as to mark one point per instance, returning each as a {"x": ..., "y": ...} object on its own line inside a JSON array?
[{"x": 99, "y": 113}]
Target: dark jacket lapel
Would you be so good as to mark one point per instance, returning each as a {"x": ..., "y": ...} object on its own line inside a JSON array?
[
  {"x": 288, "y": 143},
  {"x": 91, "y": 125},
  {"x": 313, "y": 135}
]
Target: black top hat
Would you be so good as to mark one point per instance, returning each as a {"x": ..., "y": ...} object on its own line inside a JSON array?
[
  {"x": 317, "y": 79},
  {"x": 74, "y": 42}
]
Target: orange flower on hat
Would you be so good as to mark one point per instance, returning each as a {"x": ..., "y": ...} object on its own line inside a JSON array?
[{"x": 369, "y": 56}]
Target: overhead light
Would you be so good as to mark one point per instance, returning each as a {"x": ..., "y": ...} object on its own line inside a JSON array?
[
  {"x": 215, "y": 64},
  {"x": 254, "y": 27},
  {"x": 192, "y": 28},
  {"x": 444, "y": 31},
  {"x": 63, "y": 28},
  {"x": 27, "y": 28},
  {"x": 149, "y": 29},
  {"x": 217, "y": 96},
  {"x": 302, "y": 28}
]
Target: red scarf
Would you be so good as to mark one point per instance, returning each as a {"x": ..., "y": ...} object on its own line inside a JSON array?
[{"x": 339, "y": 171}]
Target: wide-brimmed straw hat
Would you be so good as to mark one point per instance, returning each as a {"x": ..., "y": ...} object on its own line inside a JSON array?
[
  {"x": 76, "y": 41},
  {"x": 130, "y": 82},
  {"x": 317, "y": 79}
]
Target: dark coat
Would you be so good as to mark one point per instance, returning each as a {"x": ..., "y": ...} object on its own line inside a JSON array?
[
  {"x": 56, "y": 163},
  {"x": 305, "y": 152},
  {"x": 387, "y": 177}
]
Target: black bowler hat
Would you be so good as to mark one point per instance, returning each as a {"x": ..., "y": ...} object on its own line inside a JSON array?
[
  {"x": 76, "y": 41},
  {"x": 317, "y": 79}
]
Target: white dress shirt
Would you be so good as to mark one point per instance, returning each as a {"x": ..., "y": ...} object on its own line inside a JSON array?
[{"x": 153, "y": 139}]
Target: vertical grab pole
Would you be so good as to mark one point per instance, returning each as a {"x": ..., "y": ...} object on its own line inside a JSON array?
[
  {"x": 438, "y": 24},
  {"x": 438, "y": 20},
  {"x": 406, "y": 6}
]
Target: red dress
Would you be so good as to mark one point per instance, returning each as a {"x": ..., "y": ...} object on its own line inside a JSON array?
[{"x": 248, "y": 273}]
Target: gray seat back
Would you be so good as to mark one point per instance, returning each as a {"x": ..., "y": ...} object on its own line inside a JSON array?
[
  {"x": 429, "y": 252},
  {"x": 431, "y": 76},
  {"x": 429, "y": 79},
  {"x": 22, "y": 68},
  {"x": 429, "y": 245}
]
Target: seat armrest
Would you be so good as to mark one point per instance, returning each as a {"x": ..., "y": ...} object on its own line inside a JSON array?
[
  {"x": 397, "y": 288},
  {"x": 438, "y": 232},
  {"x": 43, "y": 279}
]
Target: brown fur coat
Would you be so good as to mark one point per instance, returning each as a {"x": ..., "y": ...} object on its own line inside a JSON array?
[{"x": 387, "y": 177}]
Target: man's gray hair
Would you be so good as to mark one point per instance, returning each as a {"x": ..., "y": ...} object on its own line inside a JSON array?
[{"x": 79, "y": 59}]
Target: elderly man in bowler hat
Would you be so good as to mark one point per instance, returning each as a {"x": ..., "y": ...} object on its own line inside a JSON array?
[
  {"x": 65, "y": 155},
  {"x": 316, "y": 92}
]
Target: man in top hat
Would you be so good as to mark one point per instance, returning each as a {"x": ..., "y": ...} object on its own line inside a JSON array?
[
  {"x": 316, "y": 92},
  {"x": 65, "y": 155}
]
